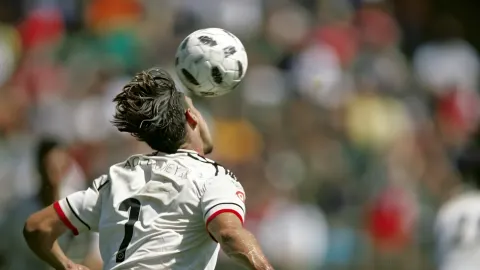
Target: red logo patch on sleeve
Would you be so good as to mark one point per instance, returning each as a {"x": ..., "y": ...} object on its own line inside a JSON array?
[{"x": 241, "y": 196}]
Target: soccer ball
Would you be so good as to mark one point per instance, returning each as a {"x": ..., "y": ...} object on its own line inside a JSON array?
[{"x": 211, "y": 62}]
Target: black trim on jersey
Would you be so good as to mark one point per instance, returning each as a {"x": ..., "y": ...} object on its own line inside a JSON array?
[
  {"x": 221, "y": 204},
  {"x": 187, "y": 151},
  {"x": 215, "y": 164},
  {"x": 102, "y": 185},
  {"x": 76, "y": 215},
  {"x": 183, "y": 151}
]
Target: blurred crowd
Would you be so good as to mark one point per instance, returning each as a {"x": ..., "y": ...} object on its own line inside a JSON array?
[{"x": 344, "y": 132}]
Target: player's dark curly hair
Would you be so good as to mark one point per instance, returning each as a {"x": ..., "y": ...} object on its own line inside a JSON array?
[{"x": 152, "y": 110}]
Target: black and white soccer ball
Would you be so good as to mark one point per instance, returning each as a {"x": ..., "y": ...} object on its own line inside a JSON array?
[{"x": 211, "y": 62}]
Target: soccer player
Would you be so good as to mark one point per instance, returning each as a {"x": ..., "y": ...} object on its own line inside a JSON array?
[
  {"x": 170, "y": 209},
  {"x": 57, "y": 175},
  {"x": 457, "y": 226}
]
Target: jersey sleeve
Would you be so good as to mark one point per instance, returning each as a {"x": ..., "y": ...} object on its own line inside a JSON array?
[
  {"x": 223, "y": 194},
  {"x": 80, "y": 211}
]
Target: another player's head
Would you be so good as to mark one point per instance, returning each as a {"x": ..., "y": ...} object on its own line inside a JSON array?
[
  {"x": 152, "y": 109},
  {"x": 468, "y": 164},
  {"x": 53, "y": 163}
]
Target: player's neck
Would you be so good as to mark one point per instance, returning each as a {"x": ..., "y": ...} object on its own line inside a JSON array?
[
  {"x": 193, "y": 142},
  {"x": 194, "y": 147}
]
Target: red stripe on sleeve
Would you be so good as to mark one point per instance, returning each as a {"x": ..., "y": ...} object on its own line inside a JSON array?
[
  {"x": 221, "y": 211},
  {"x": 64, "y": 218}
]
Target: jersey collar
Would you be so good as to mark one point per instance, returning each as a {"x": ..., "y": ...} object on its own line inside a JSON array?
[
  {"x": 186, "y": 151},
  {"x": 179, "y": 151}
]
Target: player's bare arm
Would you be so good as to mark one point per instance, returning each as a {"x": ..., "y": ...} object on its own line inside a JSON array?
[
  {"x": 41, "y": 232},
  {"x": 237, "y": 242}
]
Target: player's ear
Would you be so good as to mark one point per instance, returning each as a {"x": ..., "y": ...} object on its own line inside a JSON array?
[{"x": 191, "y": 118}]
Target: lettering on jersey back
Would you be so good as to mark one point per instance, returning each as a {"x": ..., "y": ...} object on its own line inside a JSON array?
[
  {"x": 173, "y": 169},
  {"x": 166, "y": 183},
  {"x": 169, "y": 168},
  {"x": 136, "y": 161}
]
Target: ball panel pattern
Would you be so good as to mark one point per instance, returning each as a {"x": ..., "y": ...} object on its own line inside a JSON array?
[{"x": 211, "y": 62}]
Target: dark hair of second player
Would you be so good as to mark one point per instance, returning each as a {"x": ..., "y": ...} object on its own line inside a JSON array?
[{"x": 468, "y": 162}]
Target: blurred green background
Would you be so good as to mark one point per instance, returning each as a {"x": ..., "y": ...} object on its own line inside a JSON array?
[{"x": 344, "y": 132}]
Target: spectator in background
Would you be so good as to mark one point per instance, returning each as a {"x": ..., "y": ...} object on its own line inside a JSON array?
[
  {"x": 447, "y": 61},
  {"x": 380, "y": 64},
  {"x": 456, "y": 225},
  {"x": 294, "y": 235},
  {"x": 53, "y": 166}
]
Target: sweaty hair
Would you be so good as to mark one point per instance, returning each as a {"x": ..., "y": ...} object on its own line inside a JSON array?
[{"x": 152, "y": 110}]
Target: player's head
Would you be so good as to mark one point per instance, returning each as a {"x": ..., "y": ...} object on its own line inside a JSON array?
[
  {"x": 152, "y": 109},
  {"x": 468, "y": 161},
  {"x": 52, "y": 162},
  {"x": 468, "y": 164}
]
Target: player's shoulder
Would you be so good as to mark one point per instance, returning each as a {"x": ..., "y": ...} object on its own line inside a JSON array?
[
  {"x": 100, "y": 182},
  {"x": 133, "y": 161},
  {"x": 205, "y": 168},
  {"x": 119, "y": 171},
  {"x": 471, "y": 197},
  {"x": 211, "y": 174},
  {"x": 223, "y": 179},
  {"x": 460, "y": 202}
]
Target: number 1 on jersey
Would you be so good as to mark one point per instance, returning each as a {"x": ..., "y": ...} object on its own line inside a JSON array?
[{"x": 134, "y": 205}]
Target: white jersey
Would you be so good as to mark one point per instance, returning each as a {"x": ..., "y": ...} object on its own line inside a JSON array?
[
  {"x": 457, "y": 230},
  {"x": 152, "y": 211}
]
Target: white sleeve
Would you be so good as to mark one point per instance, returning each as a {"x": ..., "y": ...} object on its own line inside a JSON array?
[
  {"x": 223, "y": 194},
  {"x": 80, "y": 211}
]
